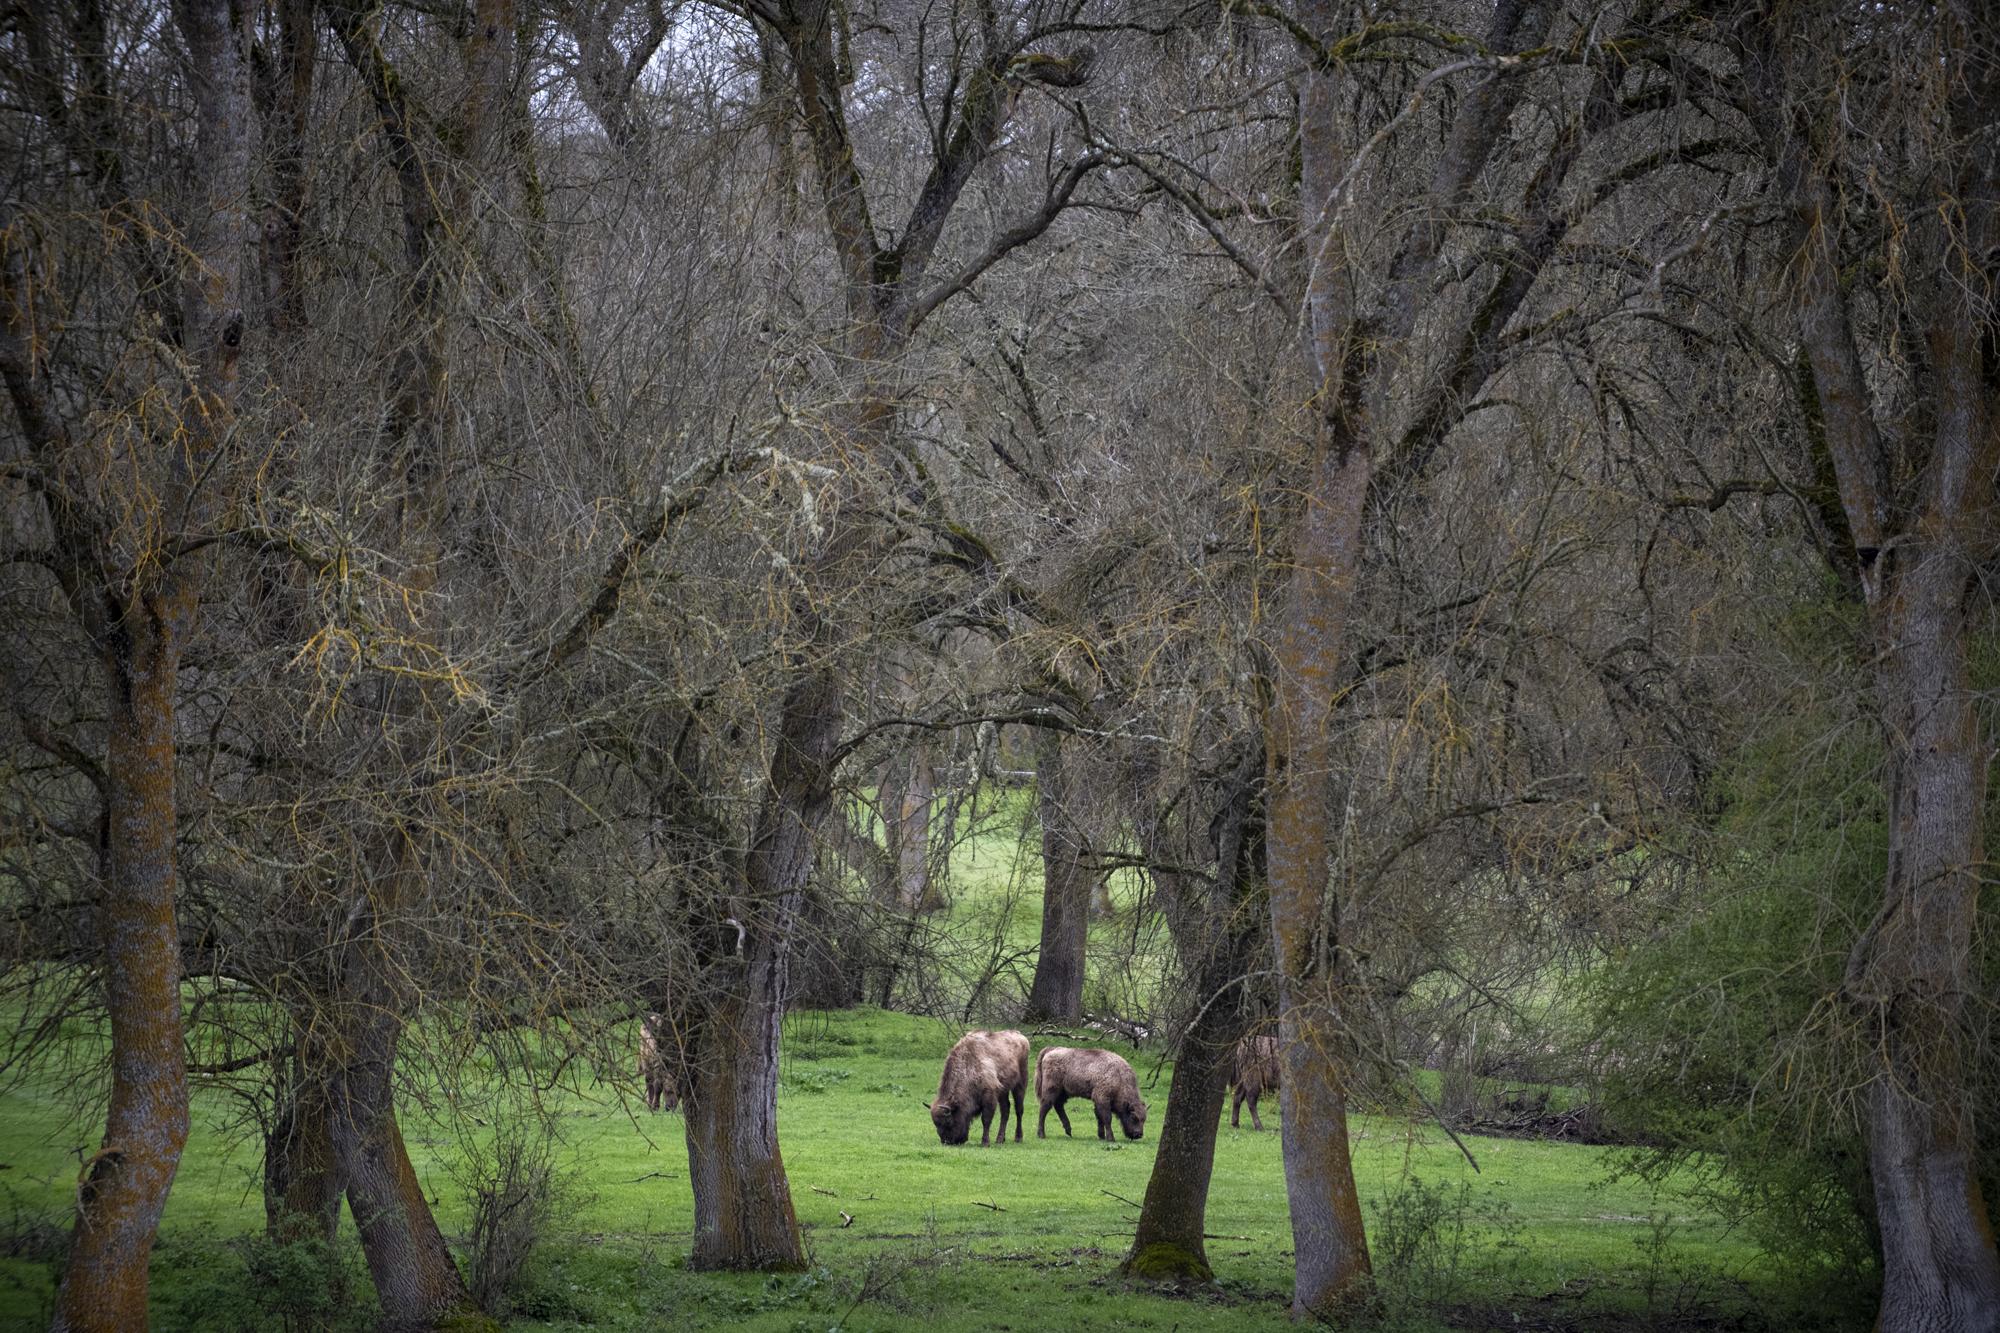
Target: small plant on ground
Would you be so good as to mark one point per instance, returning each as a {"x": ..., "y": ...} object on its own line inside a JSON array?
[
  {"x": 1434, "y": 1242},
  {"x": 517, "y": 1184}
]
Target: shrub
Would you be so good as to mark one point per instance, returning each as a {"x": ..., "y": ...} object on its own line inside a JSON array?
[{"x": 517, "y": 1183}]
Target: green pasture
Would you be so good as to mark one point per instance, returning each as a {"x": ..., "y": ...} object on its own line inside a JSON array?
[
  {"x": 902, "y": 1232},
  {"x": 1022, "y": 1236}
]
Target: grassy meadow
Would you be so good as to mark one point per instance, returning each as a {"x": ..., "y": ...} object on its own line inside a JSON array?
[
  {"x": 906, "y": 1234},
  {"x": 941, "y": 1238}
]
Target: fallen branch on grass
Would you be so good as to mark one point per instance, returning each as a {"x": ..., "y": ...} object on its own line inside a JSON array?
[{"x": 977, "y": 1203}]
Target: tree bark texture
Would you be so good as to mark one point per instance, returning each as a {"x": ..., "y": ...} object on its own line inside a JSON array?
[
  {"x": 1056, "y": 994},
  {"x": 124, "y": 1186},
  {"x": 1918, "y": 549},
  {"x": 415, "y": 1277},
  {"x": 1217, "y": 932},
  {"x": 1358, "y": 330},
  {"x": 742, "y": 1200},
  {"x": 140, "y": 623},
  {"x": 1331, "y": 1264}
]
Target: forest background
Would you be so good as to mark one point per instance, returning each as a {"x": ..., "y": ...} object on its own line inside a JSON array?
[{"x": 1472, "y": 526}]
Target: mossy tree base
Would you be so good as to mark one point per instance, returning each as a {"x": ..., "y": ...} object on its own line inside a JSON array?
[{"x": 1163, "y": 1261}]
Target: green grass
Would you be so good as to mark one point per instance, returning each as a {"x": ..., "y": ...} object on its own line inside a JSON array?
[
  {"x": 1540, "y": 1237},
  {"x": 1546, "y": 1234}
]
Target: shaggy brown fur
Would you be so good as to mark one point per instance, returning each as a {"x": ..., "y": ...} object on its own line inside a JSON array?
[
  {"x": 1253, "y": 1072},
  {"x": 1102, "y": 1076},
  {"x": 660, "y": 1089},
  {"x": 980, "y": 1074}
]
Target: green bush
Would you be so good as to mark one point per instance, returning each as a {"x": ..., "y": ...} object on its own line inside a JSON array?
[
  {"x": 1433, "y": 1243},
  {"x": 1723, "y": 1039}
]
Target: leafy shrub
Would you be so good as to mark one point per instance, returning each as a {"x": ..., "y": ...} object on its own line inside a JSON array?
[
  {"x": 1723, "y": 1037},
  {"x": 1431, "y": 1243}
]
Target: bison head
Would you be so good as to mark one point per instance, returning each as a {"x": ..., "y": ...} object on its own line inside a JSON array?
[
  {"x": 953, "y": 1121},
  {"x": 1132, "y": 1116}
]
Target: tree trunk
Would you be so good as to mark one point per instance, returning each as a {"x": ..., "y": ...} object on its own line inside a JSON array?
[
  {"x": 1916, "y": 550},
  {"x": 415, "y": 1277},
  {"x": 1056, "y": 994},
  {"x": 287, "y": 112},
  {"x": 1216, "y": 932},
  {"x": 1913, "y": 971},
  {"x": 743, "y": 1216},
  {"x": 124, "y": 1187},
  {"x": 301, "y": 1175},
  {"x": 140, "y": 620},
  {"x": 1174, "y": 1214},
  {"x": 905, "y": 798},
  {"x": 1330, "y": 1247}
]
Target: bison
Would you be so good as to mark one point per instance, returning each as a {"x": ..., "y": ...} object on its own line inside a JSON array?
[
  {"x": 1064, "y": 1072},
  {"x": 660, "y": 1089},
  {"x": 1253, "y": 1072},
  {"x": 983, "y": 1070}
]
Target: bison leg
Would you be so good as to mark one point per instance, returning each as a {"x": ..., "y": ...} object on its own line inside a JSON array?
[
  {"x": 1103, "y": 1120},
  {"x": 1042, "y": 1125},
  {"x": 1003, "y": 1117},
  {"x": 986, "y": 1127},
  {"x": 1063, "y": 1115},
  {"x": 1236, "y": 1109},
  {"x": 1020, "y": 1111},
  {"x": 1255, "y": 1122}
]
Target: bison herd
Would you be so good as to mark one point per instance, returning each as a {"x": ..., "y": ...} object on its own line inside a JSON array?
[{"x": 987, "y": 1072}]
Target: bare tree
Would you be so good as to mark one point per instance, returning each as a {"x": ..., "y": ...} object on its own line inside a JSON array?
[
  {"x": 1903, "y": 409},
  {"x": 127, "y": 513}
]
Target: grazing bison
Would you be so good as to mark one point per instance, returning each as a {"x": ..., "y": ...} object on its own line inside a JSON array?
[
  {"x": 1064, "y": 1072},
  {"x": 660, "y": 1089},
  {"x": 1253, "y": 1072},
  {"x": 980, "y": 1074}
]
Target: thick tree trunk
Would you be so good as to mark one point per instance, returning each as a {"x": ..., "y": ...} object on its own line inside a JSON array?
[
  {"x": 415, "y": 1277},
  {"x": 743, "y": 1216},
  {"x": 905, "y": 799},
  {"x": 140, "y": 620},
  {"x": 1174, "y": 1214},
  {"x": 1916, "y": 552},
  {"x": 124, "y": 1187},
  {"x": 287, "y": 114},
  {"x": 1056, "y": 995},
  {"x": 910, "y": 835},
  {"x": 1912, "y": 969},
  {"x": 302, "y": 1190},
  {"x": 1331, "y": 1250},
  {"x": 416, "y": 1280},
  {"x": 1216, "y": 931}
]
